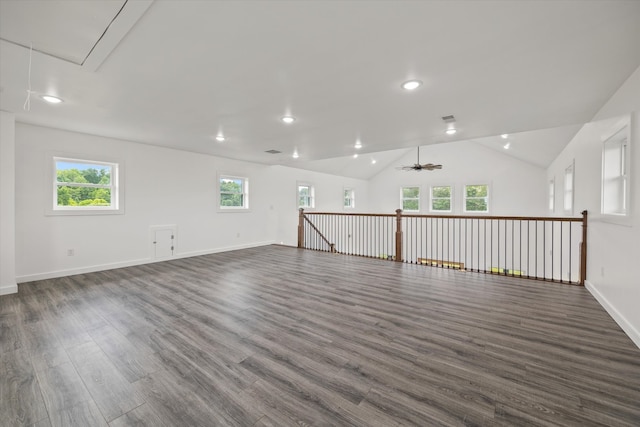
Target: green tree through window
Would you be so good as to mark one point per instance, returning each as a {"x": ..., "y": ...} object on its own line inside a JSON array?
[
  {"x": 83, "y": 184},
  {"x": 233, "y": 193},
  {"x": 476, "y": 198}
]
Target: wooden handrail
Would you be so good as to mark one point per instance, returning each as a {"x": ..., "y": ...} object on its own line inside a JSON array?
[
  {"x": 404, "y": 215},
  {"x": 302, "y": 218},
  {"x": 583, "y": 249}
]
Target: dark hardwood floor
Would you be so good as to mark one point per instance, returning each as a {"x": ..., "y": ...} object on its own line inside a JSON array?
[{"x": 277, "y": 336}]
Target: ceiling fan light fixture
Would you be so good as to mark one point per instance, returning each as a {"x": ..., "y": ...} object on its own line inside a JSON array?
[
  {"x": 288, "y": 119},
  {"x": 51, "y": 99},
  {"x": 411, "y": 84}
]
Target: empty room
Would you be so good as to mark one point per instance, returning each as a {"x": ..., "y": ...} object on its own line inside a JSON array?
[{"x": 319, "y": 212}]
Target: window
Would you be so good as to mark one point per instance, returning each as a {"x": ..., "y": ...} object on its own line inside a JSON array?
[
  {"x": 305, "y": 196},
  {"x": 476, "y": 198},
  {"x": 83, "y": 186},
  {"x": 552, "y": 195},
  {"x": 410, "y": 199},
  {"x": 441, "y": 199},
  {"x": 349, "y": 198},
  {"x": 568, "y": 190},
  {"x": 615, "y": 177},
  {"x": 234, "y": 192}
]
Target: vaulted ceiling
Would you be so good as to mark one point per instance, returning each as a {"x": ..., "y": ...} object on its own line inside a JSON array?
[{"x": 180, "y": 73}]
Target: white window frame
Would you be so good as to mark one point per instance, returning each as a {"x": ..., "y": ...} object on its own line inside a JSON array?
[
  {"x": 402, "y": 198},
  {"x": 349, "y": 194},
  {"x": 465, "y": 198},
  {"x": 569, "y": 188},
  {"x": 616, "y": 182},
  {"x": 311, "y": 197},
  {"x": 432, "y": 198},
  {"x": 552, "y": 194},
  {"x": 245, "y": 193},
  {"x": 116, "y": 187}
]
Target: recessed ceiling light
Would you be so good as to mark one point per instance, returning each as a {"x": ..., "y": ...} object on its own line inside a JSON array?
[
  {"x": 358, "y": 144},
  {"x": 451, "y": 131},
  {"x": 411, "y": 84},
  {"x": 504, "y": 136},
  {"x": 295, "y": 154},
  {"x": 507, "y": 145},
  {"x": 51, "y": 99},
  {"x": 220, "y": 138},
  {"x": 355, "y": 156},
  {"x": 373, "y": 161},
  {"x": 288, "y": 119}
]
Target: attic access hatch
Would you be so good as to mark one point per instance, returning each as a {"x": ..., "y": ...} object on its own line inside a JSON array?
[{"x": 83, "y": 33}]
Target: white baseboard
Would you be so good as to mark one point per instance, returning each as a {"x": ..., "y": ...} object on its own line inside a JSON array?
[
  {"x": 111, "y": 266},
  {"x": 626, "y": 326},
  {"x": 9, "y": 289}
]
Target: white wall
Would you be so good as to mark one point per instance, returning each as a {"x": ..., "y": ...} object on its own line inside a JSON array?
[
  {"x": 162, "y": 187},
  {"x": 613, "y": 249},
  {"x": 516, "y": 187},
  {"x": 7, "y": 204},
  {"x": 328, "y": 194}
]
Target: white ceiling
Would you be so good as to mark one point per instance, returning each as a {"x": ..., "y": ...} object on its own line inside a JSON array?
[{"x": 177, "y": 73}]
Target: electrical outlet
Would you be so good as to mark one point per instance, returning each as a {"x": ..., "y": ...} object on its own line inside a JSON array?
[{"x": 70, "y": 252}]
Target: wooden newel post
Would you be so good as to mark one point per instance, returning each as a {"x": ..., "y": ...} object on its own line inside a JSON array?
[
  {"x": 583, "y": 250},
  {"x": 301, "y": 228},
  {"x": 398, "y": 235}
]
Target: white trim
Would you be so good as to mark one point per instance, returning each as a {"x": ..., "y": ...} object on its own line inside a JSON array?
[
  {"x": 624, "y": 324},
  {"x": 142, "y": 261},
  {"x": 451, "y": 199},
  {"x": 11, "y": 289},
  {"x": 312, "y": 195},
  {"x": 419, "y": 198}
]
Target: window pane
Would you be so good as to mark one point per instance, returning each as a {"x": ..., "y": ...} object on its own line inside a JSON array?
[
  {"x": 410, "y": 192},
  {"x": 83, "y": 196},
  {"x": 231, "y": 185},
  {"x": 441, "y": 205},
  {"x": 476, "y": 205},
  {"x": 476, "y": 190},
  {"x": 83, "y": 173},
  {"x": 231, "y": 200},
  {"x": 441, "y": 192},
  {"x": 410, "y": 205}
]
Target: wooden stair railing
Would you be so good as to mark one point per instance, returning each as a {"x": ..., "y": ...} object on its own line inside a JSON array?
[{"x": 541, "y": 248}]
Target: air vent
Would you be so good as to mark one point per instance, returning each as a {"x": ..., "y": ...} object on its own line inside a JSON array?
[
  {"x": 449, "y": 119},
  {"x": 273, "y": 151}
]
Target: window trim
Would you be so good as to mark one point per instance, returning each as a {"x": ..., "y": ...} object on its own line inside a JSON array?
[
  {"x": 552, "y": 195},
  {"x": 312, "y": 195},
  {"x": 568, "y": 194},
  {"x": 245, "y": 193},
  {"x": 117, "y": 185},
  {"x": 451, "y": 199},
  {"x": 352, "y": 198},
  {"x": 625, "y": 165},
  {"x": 402, "y": 199},
  {"x": 487, "y": 197}
]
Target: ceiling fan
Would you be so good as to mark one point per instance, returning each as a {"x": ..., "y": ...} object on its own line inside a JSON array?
[{"x": 418, "y": 167}]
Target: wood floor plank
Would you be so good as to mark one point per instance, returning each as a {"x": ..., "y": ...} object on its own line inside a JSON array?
[
  {"x": 82, "y": 414},
  {"x": 280, "y": 336},
  {"x": 20, "y": 397},
  {"x": 61, "y": 387},
  {"x": 112, "y": 393}
]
